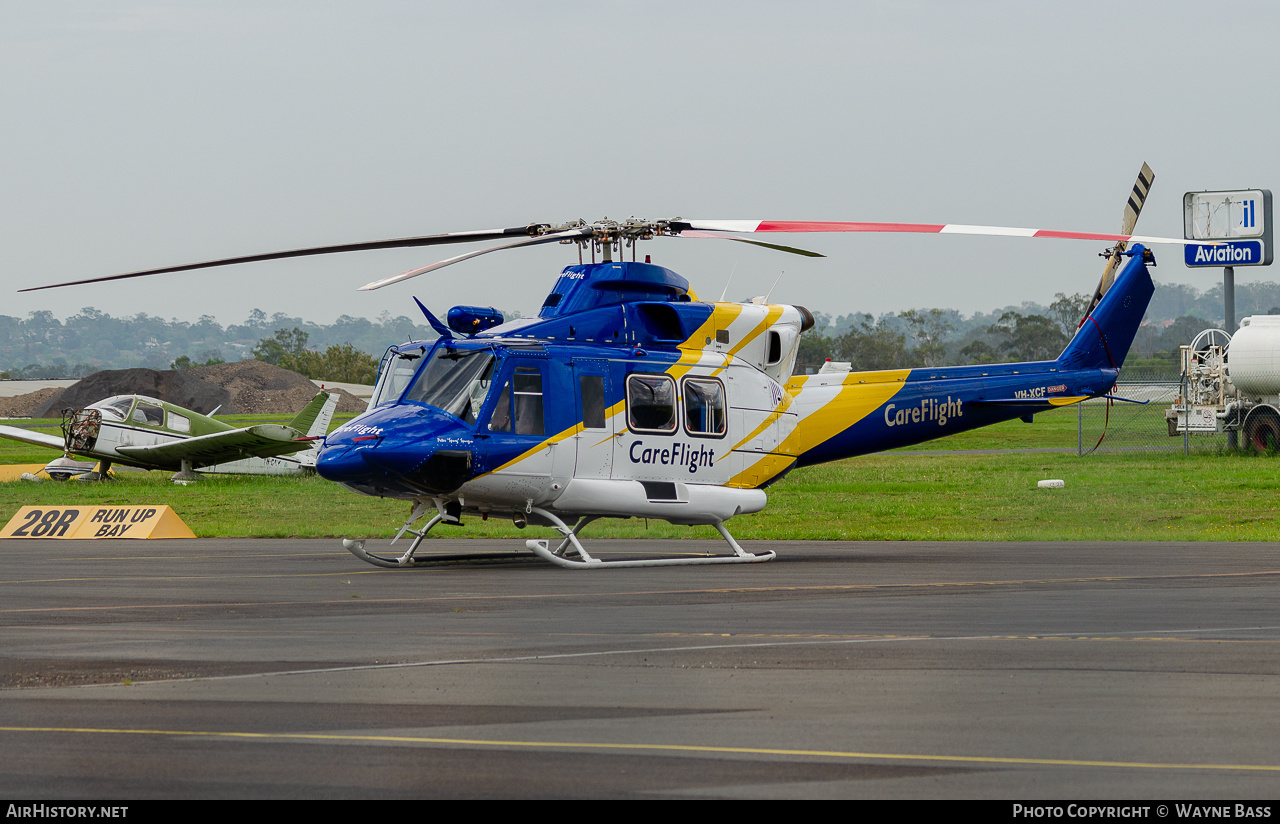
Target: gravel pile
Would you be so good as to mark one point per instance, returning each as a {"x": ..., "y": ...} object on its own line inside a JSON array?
[
  {"x": 22, "y": 406},
  {"x": 244, "y": 387},
  {"x": 181, "y": 388}
]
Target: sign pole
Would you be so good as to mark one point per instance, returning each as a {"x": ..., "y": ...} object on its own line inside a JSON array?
[{"x": 1229, "y": 299}]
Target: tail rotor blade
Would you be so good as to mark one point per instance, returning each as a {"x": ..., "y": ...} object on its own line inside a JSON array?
[{"x": 1132, "y": 209}]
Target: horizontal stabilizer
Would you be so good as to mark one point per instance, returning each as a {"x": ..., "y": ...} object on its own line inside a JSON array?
[{"x": 1047, "y": 402}]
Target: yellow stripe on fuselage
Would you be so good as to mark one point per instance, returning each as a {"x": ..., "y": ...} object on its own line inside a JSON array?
[
  {"x": 860, "y": 394},
  {"x": 770, "y": 318}
]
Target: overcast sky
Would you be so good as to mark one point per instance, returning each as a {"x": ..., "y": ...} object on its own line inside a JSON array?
[{"x": 144, "y": 134}]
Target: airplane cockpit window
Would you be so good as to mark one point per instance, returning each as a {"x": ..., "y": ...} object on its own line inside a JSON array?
[
  {"x": 455, "y": 381},
  {"x": 520, "y": 412},
  {"x": 704, "y": 407},
  {"x": 148, "y": 413},
  {"x": 394, "y": 375},
  {"x": 651, "y": 403},
  {"x": 179, "y": 423},
  {"x": 116, "y": 408}
]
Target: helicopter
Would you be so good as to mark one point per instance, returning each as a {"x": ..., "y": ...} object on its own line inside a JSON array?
[{"x": 628, "y": 396}]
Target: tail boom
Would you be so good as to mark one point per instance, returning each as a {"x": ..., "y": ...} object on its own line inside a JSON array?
[{"x": 841, "y": 416}]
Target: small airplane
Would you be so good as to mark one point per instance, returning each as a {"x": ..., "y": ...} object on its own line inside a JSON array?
[
  {"x": 135, "y": 430},
  {"x": 628, "y": 396}
]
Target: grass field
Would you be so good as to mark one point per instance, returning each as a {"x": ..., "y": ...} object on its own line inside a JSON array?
[{"x": 900, "y": 495}]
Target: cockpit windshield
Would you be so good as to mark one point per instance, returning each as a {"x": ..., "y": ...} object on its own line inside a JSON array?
[
  {"x": 394, "y": 375},
  {"x": 116, "y": 408},
  {"x": 456, "y": 381}
]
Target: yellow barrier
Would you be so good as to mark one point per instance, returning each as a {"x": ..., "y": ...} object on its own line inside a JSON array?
[
  {"x": 85, "y": 522},
  {"x": 14, "y": 472}
]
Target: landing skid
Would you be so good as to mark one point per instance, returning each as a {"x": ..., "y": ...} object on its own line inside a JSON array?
[
  {"x": 571, "y": 546},
  {"x": 357, "y": 549},
  {"x": 570, "y": 554}
]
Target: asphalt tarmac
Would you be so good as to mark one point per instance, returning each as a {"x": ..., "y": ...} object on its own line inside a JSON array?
[{"x": 289, "y": 669}]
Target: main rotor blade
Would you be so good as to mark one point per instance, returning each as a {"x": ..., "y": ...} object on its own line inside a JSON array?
[
  {"x": 751, "y": 226},
  {"x": 777, "y": 246},
  {"x": 572, "y": 234},
  {"x": 395, "y": 243}
]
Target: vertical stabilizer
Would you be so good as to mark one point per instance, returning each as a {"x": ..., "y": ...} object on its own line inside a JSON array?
[
  {"x": 314, "y": 420},
  {"x": 315, "y": 416},
  {"x": 1104, "y": 338}
]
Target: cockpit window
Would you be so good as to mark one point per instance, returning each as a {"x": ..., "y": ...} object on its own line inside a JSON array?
[
  {"x": 116, "y": 409},
  {"x": 394, "y": 375},
  {"x": 455, "y": 381},
  {"x": 520, "y": 411}
]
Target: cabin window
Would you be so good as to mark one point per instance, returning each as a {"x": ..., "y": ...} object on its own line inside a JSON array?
[
  {"x": 179, "y": 423},
  {"x": 651, "y": 403},
  {"x": 592, "y": 387},
  {"x": 454, "y": 381},
  {"x": 519, "y": 407},
  {"x": 704, "y": 407},
  {"x": 148, "y": 413}
]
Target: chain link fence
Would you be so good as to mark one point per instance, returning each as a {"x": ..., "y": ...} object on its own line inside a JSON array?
[{"x": 1140, "y": 426}]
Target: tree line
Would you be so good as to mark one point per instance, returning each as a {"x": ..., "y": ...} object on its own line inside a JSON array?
[
  {"x": 41, "y": 346},
  {"x": 942, "y": 337}
]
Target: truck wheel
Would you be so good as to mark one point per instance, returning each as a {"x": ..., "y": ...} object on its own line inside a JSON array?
[{"x": 1262, "y": 432}]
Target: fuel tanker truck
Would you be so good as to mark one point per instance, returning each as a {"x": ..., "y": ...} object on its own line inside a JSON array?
[{"x": 1231, "y": 383}]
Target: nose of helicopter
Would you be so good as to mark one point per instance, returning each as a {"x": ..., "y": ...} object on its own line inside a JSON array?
[{"x": 418, "y": 453}]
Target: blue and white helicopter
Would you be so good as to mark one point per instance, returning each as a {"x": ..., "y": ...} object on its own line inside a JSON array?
[{"x": 628, "y": 396}]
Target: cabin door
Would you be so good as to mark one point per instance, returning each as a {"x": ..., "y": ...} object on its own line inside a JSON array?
[{"x": 594, "y": 445}]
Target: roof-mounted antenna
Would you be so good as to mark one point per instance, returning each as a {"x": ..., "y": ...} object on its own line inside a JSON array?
[
  {"x": 774, "y": 286},
  {"x": 730, "y": 280}
]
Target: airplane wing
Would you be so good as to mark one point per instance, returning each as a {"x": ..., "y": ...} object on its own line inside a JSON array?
[
  {"x": 28, "y": 436},
  {"x": 262, "y": 441}
]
